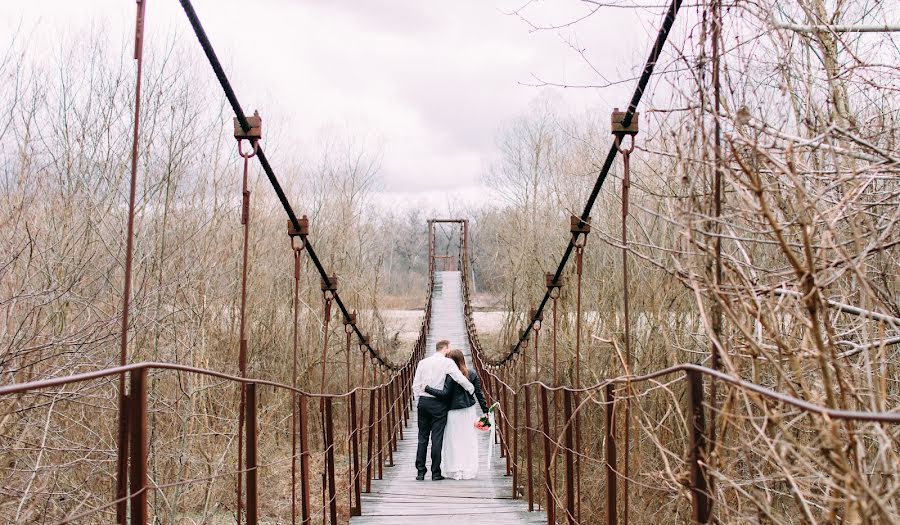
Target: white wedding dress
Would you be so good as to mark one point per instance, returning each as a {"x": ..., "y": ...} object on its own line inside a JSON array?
[{"x": 459, "y": 454}]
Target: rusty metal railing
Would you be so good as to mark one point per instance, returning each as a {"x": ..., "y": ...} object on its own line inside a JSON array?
[
  {"x": 384, "y": 407},
  {"x": 534, "y": 441}
]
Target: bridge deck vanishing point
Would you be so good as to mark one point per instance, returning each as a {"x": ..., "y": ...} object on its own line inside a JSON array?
[{"x": 399, "y": 499}]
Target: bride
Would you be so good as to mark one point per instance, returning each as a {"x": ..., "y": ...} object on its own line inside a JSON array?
[{"x": 460, "y": 449}]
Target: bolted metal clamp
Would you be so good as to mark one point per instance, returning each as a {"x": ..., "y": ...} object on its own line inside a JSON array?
[
  {"x": 620, "y": 130},
  {"x": 618, "y": 126},
  {"x": 254, "y": 133},
  {"x": 329, "y": 287},
  {"x": 579, "y": 230},
  {"x": 553, "y": 285},
  {"x": 298, "y": 237},
  {"x": 578, "y": 226},
  {"x": 536, "y": 323}
]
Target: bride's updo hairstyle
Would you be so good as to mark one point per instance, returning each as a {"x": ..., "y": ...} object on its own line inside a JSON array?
[{"x": 460, "y": 360}]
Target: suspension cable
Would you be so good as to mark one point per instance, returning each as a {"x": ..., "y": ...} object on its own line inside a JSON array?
[
  {"x": 649, "y": 66},
  {"x": 230, "y": 95}
]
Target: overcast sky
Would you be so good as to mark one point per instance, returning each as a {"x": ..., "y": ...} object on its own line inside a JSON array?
[{"x": 432, "y": 82}]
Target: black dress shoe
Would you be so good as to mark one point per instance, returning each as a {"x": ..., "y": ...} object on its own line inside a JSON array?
[
  {"x": 420, "y": 477},
  {"x": 437, "y": 478}
]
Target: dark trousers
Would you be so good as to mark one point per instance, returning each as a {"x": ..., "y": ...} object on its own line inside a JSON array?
[{"x": 432, "y": 422}]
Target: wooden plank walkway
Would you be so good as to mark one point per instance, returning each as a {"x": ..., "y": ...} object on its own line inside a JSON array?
[{"x": 399, "y": 499}]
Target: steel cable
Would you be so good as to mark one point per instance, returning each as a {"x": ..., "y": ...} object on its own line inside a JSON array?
[
  {"x": 647, "y": 72},
  {"x": 230, "y": 95}
]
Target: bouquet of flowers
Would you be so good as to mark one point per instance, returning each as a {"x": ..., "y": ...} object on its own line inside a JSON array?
[{"x": 484, "y": 422}]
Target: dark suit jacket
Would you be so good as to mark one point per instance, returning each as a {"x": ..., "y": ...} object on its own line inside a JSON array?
[{"x": 457, "y": 395}]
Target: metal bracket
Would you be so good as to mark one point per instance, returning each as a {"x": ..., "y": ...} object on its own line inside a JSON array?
[
  {"x": 255, "y": 131},
  {"x": 579, "y": 226},
  {"x": 298, "y": 237},
  {"x": 330, "y": 284},
  {"x": 619, "y": 129},
  {"x": 551, "y": 283}
]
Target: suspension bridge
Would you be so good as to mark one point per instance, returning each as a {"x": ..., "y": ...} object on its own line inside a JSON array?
[{"x": 351, "y": 452}]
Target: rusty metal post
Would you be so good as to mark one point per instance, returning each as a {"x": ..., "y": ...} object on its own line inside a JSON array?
[
  {"x": 252, "y": 135},
  {"x": 578, "y": 441},
  {"x": 550, "y": 503},
  {"x": 138, "y": 421},
  {"x": 700, "y": 504},
  {"x": 305, "y": 505},
  {"x": 401, "y": 403},
  {"x": 611, "y": 457},
  {"x": 252, "y": 441},
  {"x": 348, "y": 331},
  {"x": 122, "y": 459},
  {"x": 580, "y": 230},
  {"x": 528, "y": 434},
  {"x": 370, "y": 441},
  {"x": 407, "y": 396},
  {"x": 389, "y": 427},
  {"x": 355, "y": 474},
  {"x": 554, "y": 286},
  {"x": 504, "y": 438},
  {"x": 515, "y": 446},
  {"x": 380, "y": 432},
  {"x": 620, "y": 133},
  {"x": 430, "y": 248},
  {"x": 298, "y": 242},
  {"x": 570, "y": 459},
  {"x": 329, "y": 289},
  {"x": 329, "y": 461}
]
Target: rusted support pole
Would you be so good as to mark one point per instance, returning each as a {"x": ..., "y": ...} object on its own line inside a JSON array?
[
  {"x": 370, "y": 441},
  {"x": 380, "y": 432},
  {"x": 138, "y": 421},
  {"x": 504, "y": 438},
  {"x": 515, "y": 446},
  {"x": 329, "y": 461},
  {"x": 407, "y": 396},
  {"x": 611, "y": 458},
  {"x": 580, "y": 229},
  {"x": 550, "y": 502},
  {"x": 122, "y": 465},
  {"x": 700, "y": 504},
  {"x": 528, "y": 434},
  {"x": 398, "y": 407},
  {"x": 252, "y": 135},
  {"x": 305, "y": 505},
  {"x": 298, "y": 242},
  {"x": 355, "y": 510},
  {"x": 570, "y": 459},
  {"x": 389, "y": 414},
  {"x": 621, "y": 132},
  {"x": 329, "y": 288},
  {"x": 430, "y": 248},
  {"x": 554, "y": 289},
  {"x": 577, "y": 404},
  {"x": 252, "y": 473}
]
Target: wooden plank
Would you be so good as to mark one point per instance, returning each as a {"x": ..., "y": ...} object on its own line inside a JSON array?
[{"x": 399, "y": 499}]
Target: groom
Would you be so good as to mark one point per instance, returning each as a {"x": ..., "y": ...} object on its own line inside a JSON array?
[{"x": 432, "y": 412}]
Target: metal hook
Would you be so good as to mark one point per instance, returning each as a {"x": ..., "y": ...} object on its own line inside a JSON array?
[
  {"x": 629, "y": 149},
  {"x": 251, "y": 154}
]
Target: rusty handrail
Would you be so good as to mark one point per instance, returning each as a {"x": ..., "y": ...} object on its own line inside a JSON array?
[
  {"x": 858, "y": 415},
  {"x": 564, "y": 441},
  {"x": 156, "y": 365}
]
